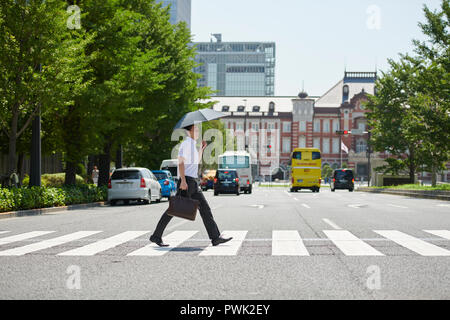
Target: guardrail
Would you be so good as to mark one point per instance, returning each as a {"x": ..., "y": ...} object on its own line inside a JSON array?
[{"x": 424, "y": 194}]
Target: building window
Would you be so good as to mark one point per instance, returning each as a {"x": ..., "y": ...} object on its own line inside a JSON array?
[
  {"x": 335, "y": 125},
  {"x": 225, "y": 108},
  {"x": 302, "y": 142},
  {"x": 361, "y": 146},
  {"x": 362, "y": 126},
  {"x": 271, "y": 107},
  {"x": 271, "y": 126},
  {"x": 316, "y": 125},
  {"x": 286, "y": 145},
  {"x": 255, "y": 126},
  {"x": 256, "y": 108},
  {"x": 335, "y": 145},
  {"x": 241, "y": 109},
  {"x": 326, "y": 126},
  {"x": 302, "y": 126},
  {"x": 286, "y": 127},
  {"x": 326, "y": 146},
  {"x": 316, "y": 143},
  {"x": 239, "y": 127}
]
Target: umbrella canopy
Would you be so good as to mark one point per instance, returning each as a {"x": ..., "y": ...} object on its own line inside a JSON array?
[{"x": 198, "y": 116}]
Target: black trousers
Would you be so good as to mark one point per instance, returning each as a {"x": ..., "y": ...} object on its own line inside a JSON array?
[{"x": 205, "y": 211}]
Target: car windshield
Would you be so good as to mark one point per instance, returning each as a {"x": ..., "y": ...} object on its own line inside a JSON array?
[
  {"x": 315, "y": 155},
  {"x": 234, "y": 162},
  {"x": 347, "y": 174},
  {"x": 227, "y": 175},
  {"x": 126, "y": 174},
  {"x": 160, "y": 175}
]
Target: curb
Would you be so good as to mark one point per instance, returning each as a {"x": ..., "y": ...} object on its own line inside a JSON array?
[
  {"x": 35, "y": 212},
  {"x": 437, "y": 195}
]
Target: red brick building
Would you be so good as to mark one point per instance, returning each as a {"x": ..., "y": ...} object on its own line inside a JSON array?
[{"x": 274, "y": 126}]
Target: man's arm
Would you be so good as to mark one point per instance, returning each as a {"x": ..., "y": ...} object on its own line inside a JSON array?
[{"x": 181, "y": 168}]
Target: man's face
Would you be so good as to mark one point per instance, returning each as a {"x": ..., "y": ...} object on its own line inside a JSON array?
[{"x": 194, "y": 132}]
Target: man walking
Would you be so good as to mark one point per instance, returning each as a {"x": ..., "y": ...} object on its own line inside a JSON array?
[{"x": 188, "y": 162}]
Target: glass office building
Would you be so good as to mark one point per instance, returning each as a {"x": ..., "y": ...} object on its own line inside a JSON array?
[
  {"x": 180, "y": 10},
  {"x": 237, "y": 68}
]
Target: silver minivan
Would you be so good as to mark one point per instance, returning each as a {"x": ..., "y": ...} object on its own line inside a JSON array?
[{"x": 133, "y": 184}]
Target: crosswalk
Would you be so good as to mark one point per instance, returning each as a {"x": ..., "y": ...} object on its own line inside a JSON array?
[{"x": 282, "y": 243}]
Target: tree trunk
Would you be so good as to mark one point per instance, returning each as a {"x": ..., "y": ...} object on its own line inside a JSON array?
[
  {"x": 433, "y": 176},
  {"x": 20, "y": 167},
  {"x": 411, "y": 174},
  {"x": 104, "y": 165},
  {"x": 70, "y": 177},
  {"x": 12, "y": 145}
]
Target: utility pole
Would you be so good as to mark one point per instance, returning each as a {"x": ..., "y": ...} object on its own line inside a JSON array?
[{"x": 368, "y": 159}]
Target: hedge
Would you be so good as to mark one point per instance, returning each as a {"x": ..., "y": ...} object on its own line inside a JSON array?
[
  {"x": 53, "y": 180},
  {"x": 14, "y": 199}
]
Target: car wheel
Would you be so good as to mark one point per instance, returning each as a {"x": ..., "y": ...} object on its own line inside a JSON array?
[
  {"x": 216, "y": 193},
  {"x": 351, "y": 190},
  {"x": 126, "y": 202},
  {"x": 113, "y": 202},
  {"x": 292, "y": 190},
  {"x": 332, "y": 190},
  {"x": 160, "y": 197}
]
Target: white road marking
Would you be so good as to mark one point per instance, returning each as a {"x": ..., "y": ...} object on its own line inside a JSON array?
[
  {"x": 2, "y": 232},
  {"x": 443, "y": 205},
  {"x": 174, "y": 240},
  {"x": 45, "y": 244},
  {"x": 105, "y": 244},
  {"x": 290, "y": 195},
  {"x": 414, "y": 244},
  {"x": 306, "y": 206},
  {"x": 332, "y": 224},
  {"x": 259, "y": 206},
  {"x": 287, "y": 243},
  {"x": 396, "y": 206},
  {"x": 350, "y": 245},
  {"x": 440, "y": 233},
  {"x": 227, "y": 249},
  {"x": 23, "y": 236},
  {"x": 296, "y": 199},
  {"x": 355, "y": 206}
]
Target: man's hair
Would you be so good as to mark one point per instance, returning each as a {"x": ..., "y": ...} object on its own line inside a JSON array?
[{"x": 188, "y": 128}]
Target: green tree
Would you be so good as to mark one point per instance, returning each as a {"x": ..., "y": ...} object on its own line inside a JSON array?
[{"x": 34, "y": 58}]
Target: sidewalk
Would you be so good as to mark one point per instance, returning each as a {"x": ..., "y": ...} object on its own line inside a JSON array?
[
  {"x": 424, "y": 194},
  {"x": 35, "y": 212}
]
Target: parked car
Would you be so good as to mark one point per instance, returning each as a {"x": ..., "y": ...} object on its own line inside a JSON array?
[
  {"x": 133, "y": 184},
  {"x": 343, "y": 179},
  {"x": 226, "y": 181},
  {"x": 167, "y": 182}
]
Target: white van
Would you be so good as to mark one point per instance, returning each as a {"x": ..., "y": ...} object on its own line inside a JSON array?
[{"x": 172, "y": 166}]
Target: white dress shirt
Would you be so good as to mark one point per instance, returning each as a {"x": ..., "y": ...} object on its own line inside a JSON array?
[{"x": 188, "y": 151}]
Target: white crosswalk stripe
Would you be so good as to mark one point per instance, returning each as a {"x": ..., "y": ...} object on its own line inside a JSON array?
[
  {"x": 440, "y": 233},
  {"x": 288, "y": 243},
  {"x": 2, "y": 232},
  {"x": 105, "y": 244},
  {"x": 227, "y": 249},
  {"x": 283, "y": 243},
  {"x": 45, "y": 244},
  {"x": 23, "y": 236},
  {"x": 174, "y": 240},
  {"x": 414, "y": 244},
  {"x": 351, "y": 245}
]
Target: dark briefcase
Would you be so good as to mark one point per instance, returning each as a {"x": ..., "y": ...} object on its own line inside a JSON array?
[{"x": 183, "y": 207}]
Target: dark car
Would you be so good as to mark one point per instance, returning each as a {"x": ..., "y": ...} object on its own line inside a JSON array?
[
  {"x": 207, "y": 184},
  {"x": 343, "y": 179},
  {"x": 226, "y": 181}
]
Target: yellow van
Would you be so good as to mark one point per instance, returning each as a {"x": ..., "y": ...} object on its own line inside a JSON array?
[{"x": 306, "y": 165}]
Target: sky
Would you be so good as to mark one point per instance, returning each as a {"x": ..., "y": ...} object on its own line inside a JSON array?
[{"x": 316, "y": 41}]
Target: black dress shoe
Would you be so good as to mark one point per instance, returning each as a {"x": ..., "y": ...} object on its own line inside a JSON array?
[
  {"x": 220, "y": 240},
  {"x": 158, "y": 241}
]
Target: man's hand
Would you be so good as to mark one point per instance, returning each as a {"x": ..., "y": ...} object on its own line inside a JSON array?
[
  {"x": 204, "y": 144},
  {"x": 183, "y": 185}
]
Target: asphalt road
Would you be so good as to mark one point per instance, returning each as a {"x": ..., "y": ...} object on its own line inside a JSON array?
[{"x": 302, "y": 245}]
